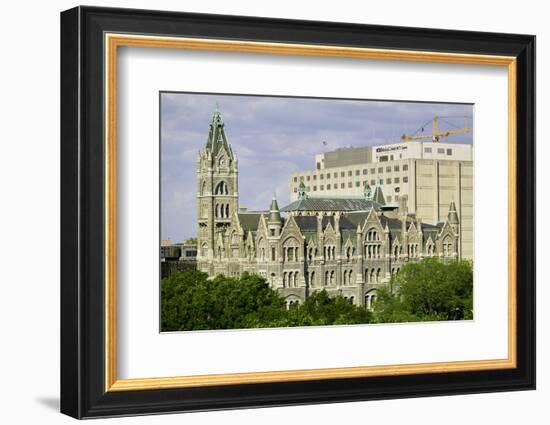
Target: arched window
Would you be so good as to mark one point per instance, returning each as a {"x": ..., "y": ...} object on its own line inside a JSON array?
[
  {"x": 290, "y": 249},
  {"x": 373, "y": 246},
  {"x": 378, "y": 275},
  {"x": 326, "y": 278},
  {"x": 329, "y": 251},
  {"x": 284, "y": 280},
  {"x": 447, "y": 247},
  {"x": 261, "y": 249},
  {"x": 350, "y": 277},
  {"x": 412, "y": 250},
  {"x": 429, "y": 249},
  {"x": 332, "y": 277},
  {"x": 312, "y": 279},
  {"x": 372, "y": 235},
  {"x": 366, "y": 275},
  {"x": 345, "y": 277},
  {"x": 221, "y": 188},
  {"x": 227, "y": 210},
  {"x": 370, "y": 298},
  {"x": 292, "y": 304}
]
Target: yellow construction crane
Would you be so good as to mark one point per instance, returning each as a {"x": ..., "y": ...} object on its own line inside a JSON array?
[{"x": 436, "y": 135}]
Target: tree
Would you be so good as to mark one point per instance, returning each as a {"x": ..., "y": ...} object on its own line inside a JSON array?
[
  {"x": 191, "y": 301},
  {"x": 323, "y": 309},
  {"x": 428, "y": 290}
]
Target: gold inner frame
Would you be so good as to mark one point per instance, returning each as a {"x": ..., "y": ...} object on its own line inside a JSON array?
[{"x": 113, "y": 41}]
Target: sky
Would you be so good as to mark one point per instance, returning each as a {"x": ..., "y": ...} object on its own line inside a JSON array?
[{"x": 274, "y": 137}]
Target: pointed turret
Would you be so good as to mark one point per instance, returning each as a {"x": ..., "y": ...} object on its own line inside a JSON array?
[
  {"x": 452, "y": 216},
  {"x": 274, "y": 220},
  {"x": 274, "y": 213},
  {"x": 378, "y": 196}
]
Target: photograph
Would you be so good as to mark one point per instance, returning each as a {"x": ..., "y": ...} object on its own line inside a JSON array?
[
  {"x": 284, "y": 211},
  {"x": 290, "y": 210}
]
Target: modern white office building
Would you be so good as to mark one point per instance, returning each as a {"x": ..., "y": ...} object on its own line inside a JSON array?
[{"x": 430, "y": 174}]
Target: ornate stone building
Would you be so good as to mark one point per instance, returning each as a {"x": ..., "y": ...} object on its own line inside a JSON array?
[{"x": 345, "y": 245}]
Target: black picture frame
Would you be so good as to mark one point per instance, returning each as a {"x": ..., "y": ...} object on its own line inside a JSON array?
[{"x": 83, "y": 392}]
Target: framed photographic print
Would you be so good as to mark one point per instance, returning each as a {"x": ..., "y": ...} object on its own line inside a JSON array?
[{"x": 261, "y": 212}]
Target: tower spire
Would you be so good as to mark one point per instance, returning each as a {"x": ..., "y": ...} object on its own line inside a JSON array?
[
  {"x": 378, "y": 196},
  {"x": 452, "y": 216},
  {"x": 217, "y": 190},
  {"x": 274, "y": 212},
  {"x": 217, "y": 138}
]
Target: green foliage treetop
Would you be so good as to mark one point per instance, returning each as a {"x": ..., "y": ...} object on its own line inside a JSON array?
[
  {"x": 427, "y": 290},
  {"x": 423, "y": 291}
]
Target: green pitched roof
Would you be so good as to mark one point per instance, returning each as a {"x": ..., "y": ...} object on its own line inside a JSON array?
[
  {"x": 250, "y": 220},
  {"x": 331, "y": 204}
]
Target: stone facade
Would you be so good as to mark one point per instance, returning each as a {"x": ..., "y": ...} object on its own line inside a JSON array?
[{"x": 347, "y": 246}]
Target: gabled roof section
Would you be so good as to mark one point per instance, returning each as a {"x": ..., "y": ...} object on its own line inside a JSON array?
[
  {"x": 429, "y": 227},
  {"x": 306, "y": 223},
  {"x": 331, "y": 204},
  {"x": 249, "y": 220},
  {"x": 356, "y": 218},
  {"x": 392, "y": 223}
]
